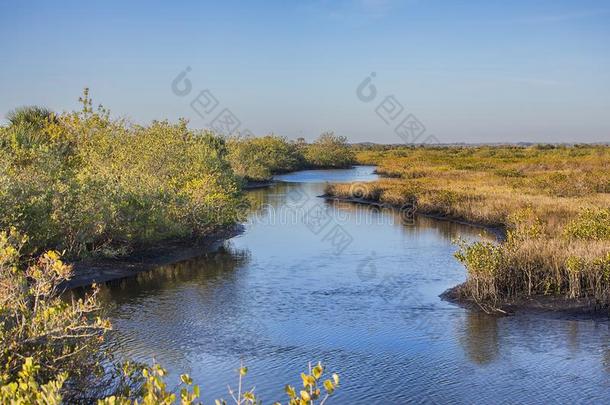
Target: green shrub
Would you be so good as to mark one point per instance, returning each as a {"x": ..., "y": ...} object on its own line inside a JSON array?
[
  {"x": 87, "y": 184},
  {"x": 26, "y": 389},
  {"x": 35, "y": 322},
  {"x": 480, "y": 258},
  {"x": 591, "y": 224},
  {"x": 483, "y": 261},
  {"x": 329, "y": 151},
  {"x": 257, "y": 159},
  {"x": 32, "y": 116}
]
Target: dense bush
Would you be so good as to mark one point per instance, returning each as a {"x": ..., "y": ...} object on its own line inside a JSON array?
[
  {"x": 257, "y": 159},
  {"x": 87, "y": 184},
  {"x": 329, "y": 151},
  {"x": 591, "y": 224}
]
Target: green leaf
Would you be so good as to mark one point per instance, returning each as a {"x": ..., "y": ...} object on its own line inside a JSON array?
[
  {"x": 307, "y": 380},
  {"x": 186, "y": 379},
  {"x": 290, "y": 391},
  {"x": 317, "y": 371}
]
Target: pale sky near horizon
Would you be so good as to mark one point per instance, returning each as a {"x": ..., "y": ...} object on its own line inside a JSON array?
[{"x": 470, "y": 71}]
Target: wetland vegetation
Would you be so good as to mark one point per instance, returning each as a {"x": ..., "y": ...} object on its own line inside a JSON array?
[
  {"x": 81, "y": 185},
  {"x": 553, "y": 201}
]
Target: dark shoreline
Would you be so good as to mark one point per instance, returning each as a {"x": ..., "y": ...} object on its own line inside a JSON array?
[
  {"x": 549, "y": 305},
  {"x": 253, "y": 185},
  {"x": 498, "y": 231},
  {"x": 87, "y": 272},
  {"x": 553, "y": 306}
]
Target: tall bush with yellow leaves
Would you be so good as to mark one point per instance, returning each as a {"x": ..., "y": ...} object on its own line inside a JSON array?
[{"x": 87, "y": 184}]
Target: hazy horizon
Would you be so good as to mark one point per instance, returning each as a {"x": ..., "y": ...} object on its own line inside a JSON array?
[{"x": 476, "y": 72}]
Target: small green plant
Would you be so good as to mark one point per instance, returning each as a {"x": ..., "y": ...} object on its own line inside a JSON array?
[
  {"x": 314, "y": 388},
  {"x": 483, "y": 261},
  {"x": 32, "y": 116},
  {"x": 524, "y": 224},
  {"x": 27, "y": 390},
  {"x": 480, "y": 258}
]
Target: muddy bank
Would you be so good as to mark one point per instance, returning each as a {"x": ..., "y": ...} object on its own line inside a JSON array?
[
  {"x": 553, "y": 306},
  {"x": 91, "y": 271},
  {"x": 498, "y": 231},
  {"x": 253, "y": 185}
]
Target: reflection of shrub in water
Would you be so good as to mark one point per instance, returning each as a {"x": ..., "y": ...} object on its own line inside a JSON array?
[
  {"x": 479, "y": 337},
  {"x": 208, "y": 266}
]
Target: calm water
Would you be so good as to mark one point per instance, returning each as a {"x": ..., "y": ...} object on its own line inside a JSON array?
[{"x": 357, "y": 289}]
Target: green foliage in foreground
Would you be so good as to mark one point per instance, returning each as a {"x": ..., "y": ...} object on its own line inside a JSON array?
[
  {"x": 86, "y": 184},
  {"x": 27, "y": 390},
  {"x": 35, "y": 322}
]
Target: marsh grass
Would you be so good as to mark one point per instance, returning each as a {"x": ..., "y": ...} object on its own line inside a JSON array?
[{"x": 553, "y": 201}]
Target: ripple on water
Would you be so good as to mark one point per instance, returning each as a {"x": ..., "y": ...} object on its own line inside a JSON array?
[{"x": 277, "y": 298}]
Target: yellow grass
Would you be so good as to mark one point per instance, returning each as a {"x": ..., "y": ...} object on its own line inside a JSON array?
[{"x": 554, "y": 202}]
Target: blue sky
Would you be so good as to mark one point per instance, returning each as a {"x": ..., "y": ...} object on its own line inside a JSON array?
[{"x": 470, "y": 71}]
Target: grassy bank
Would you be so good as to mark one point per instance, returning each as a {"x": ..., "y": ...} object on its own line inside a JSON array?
[{"x": 554, "y": 202}]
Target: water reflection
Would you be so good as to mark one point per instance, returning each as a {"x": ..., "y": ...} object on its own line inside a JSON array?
[
  {"x": 221, "y": 264},
  {"x": 282, "y": 205},
  {"x": 479, "y": 337}
]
